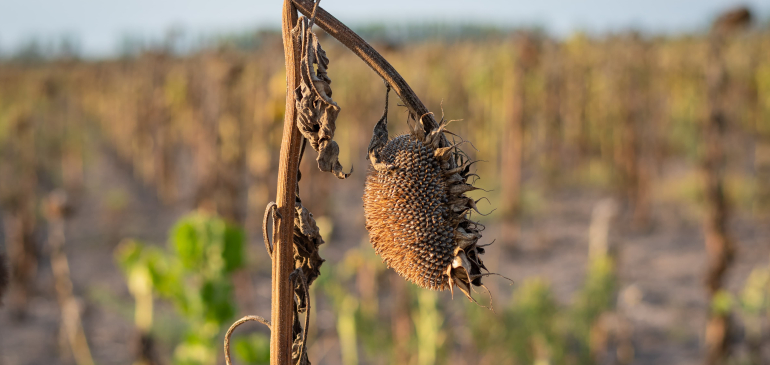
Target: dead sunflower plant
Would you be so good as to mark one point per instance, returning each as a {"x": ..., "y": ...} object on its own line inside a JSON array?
[{"x": 416, "y": 210}]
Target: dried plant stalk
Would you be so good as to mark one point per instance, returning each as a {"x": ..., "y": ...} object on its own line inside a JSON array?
[
  {"x": 512, "y": 145},
  {"x": 720, "y": 247},
  {"x": 71, "y": 324},
  {"x": 283, "y": 259},
  {"x": 18, "y": 172}
]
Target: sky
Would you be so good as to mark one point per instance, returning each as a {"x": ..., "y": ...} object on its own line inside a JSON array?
[{"x": 99, "y": 25}]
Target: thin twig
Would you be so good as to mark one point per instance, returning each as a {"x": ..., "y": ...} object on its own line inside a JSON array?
[
  {"x": 271, "y": 208},
  {"x": 312, "y": 17},
  {"x": 234, "y": 326}
]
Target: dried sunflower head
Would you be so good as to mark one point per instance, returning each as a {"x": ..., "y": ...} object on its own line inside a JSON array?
[{"x": 416, "y": 210}]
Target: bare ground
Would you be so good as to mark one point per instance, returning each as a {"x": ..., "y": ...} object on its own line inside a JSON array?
[{"x": 660, "y": 270}]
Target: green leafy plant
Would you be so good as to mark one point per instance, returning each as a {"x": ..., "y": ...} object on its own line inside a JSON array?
[
  {"x": 253, "y": 349},
  {"x": 194, "y": 275},
  {"x": 334, "y": 283},
  {"x": 596, "y": 297},
  {"x": 536, "y": 329},
  {"x": 535, "y": 335}
]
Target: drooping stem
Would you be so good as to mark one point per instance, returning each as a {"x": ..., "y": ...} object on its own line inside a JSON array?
[
  {"x": 283, "y": 251},
  {"x": 371, "y": 57}
]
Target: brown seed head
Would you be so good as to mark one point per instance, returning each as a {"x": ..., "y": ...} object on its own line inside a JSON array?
[{"x": 416, "y": 211}]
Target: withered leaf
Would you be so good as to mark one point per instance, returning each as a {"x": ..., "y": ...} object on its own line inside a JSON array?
[
  {"x": 316, "y": 111},
  {"x": 307, "y": 239}
]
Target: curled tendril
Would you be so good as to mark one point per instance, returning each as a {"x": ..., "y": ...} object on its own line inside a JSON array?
[{"x": 234, "y": 326}]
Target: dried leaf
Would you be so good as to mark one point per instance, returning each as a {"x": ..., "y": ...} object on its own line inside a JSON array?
[
  {"x": 316, "y": 111},
  {"x": 307, "y": 239},
  {"x": 380, "y": 139},
  {"x": 307, "y": 264}
]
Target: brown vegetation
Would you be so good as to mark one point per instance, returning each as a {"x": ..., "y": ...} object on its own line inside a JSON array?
[{"x": 622, "y": 115}]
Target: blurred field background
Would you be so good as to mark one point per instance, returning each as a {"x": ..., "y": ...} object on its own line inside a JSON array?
[{"x": 595, "y": 161}]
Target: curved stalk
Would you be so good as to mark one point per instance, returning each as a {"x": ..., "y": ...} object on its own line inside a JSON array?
[{"x": 371, "y": 57}]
